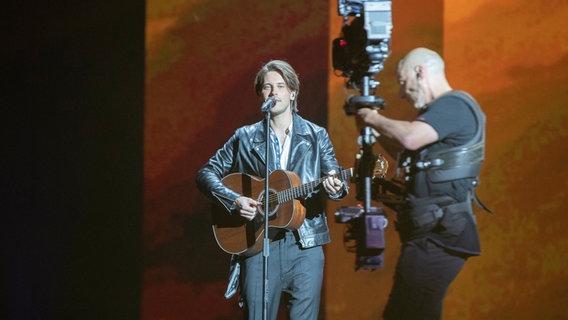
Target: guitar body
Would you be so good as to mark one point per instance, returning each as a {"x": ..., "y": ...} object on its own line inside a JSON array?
[{"x": 236, "y": 235}]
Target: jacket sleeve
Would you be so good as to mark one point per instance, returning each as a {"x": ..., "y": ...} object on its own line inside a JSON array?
[
  {"x": 329, "y": 162},
  {"x": 209, "y": 178}
]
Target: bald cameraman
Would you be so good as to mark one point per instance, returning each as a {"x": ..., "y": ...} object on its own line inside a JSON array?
[{"x": 443, "y": 152}]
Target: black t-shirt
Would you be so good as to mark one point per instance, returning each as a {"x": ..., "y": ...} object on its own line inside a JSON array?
[{"x": 452, "y": 119}]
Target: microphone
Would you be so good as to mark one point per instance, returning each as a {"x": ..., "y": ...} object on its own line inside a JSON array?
[{"x": 268, "y": 104}]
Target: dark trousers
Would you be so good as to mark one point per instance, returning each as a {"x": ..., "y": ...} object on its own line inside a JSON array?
[
  {"x": 423, "y": 274},
  {"x": 298, "y": 273}
]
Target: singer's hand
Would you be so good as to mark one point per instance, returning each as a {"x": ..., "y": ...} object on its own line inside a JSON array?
[
  {"x": 332, "y": 185},
  {"x": 246, "y": 207}
]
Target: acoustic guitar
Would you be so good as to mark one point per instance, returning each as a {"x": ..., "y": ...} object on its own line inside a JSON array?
[{"x": 236, "y": 235}]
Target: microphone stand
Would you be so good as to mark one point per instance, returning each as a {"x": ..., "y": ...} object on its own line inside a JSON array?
[{"x": 266, "y": 247}]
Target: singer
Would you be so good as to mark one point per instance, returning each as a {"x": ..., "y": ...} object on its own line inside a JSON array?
[{"x": 296, "y": 260}]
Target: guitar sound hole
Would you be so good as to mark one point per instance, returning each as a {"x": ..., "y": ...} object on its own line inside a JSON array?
[{"x": 272, "y": 204}]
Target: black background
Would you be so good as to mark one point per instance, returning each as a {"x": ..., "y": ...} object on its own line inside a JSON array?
[{"x": 72, "y": 164}]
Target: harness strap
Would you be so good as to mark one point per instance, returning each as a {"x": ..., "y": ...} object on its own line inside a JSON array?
[
  {"x": 463, "y": 157},
  {"x": 480, "y": 204}
]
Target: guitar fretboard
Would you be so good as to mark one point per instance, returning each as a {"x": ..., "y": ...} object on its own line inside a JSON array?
[{"x": 304, "y": 189}]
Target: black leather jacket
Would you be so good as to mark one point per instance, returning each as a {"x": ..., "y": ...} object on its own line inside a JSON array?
[{"x": 311, "y": 157}]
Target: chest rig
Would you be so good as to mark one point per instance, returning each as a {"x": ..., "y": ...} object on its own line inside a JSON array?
[{"x": 459, "y": 162}]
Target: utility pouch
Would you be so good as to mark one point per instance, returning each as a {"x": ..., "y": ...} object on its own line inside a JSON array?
[{"x": 420, "y": 215}]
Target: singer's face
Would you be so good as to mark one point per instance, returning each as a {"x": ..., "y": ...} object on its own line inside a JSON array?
[{"x": 275, "y": 86}]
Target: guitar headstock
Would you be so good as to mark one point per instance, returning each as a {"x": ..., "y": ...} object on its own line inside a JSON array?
[{"x": 381, "y": 167}]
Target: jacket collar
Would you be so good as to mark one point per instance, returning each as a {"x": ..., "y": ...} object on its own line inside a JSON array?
[{"x": 300, "y": 141}]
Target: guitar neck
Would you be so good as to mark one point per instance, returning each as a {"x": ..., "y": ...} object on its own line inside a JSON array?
[{"x": 304, "y": 189}]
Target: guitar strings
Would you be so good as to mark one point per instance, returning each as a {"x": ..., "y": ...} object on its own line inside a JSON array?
[{"x": 287, "y": 195}]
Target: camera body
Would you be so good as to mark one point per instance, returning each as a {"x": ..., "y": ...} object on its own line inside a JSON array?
[{"x": 365, "y": 40}]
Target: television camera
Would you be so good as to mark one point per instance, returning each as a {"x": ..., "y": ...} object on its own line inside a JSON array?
[
  {"x": 359, "y": 54},
  {"x": 361, "y": 50}
]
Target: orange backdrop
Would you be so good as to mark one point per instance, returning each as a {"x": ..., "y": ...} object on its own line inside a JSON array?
[{"x": 512, "y": 55}]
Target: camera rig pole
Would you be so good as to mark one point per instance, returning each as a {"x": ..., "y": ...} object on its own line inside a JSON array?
[
  {"x": 366, "y": 159},
  {"x": 366, "y": 167}
]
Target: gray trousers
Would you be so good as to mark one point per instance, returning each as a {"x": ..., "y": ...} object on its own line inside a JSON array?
[{"x": 296, "y": 273}]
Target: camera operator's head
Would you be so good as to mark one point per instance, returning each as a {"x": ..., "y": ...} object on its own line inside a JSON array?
[
  {"x": 421, "y": 76},
  {"x": 287, "y": 73}
]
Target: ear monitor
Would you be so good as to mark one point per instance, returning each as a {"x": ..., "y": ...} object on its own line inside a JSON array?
[{"x": 419, "y": 75}]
